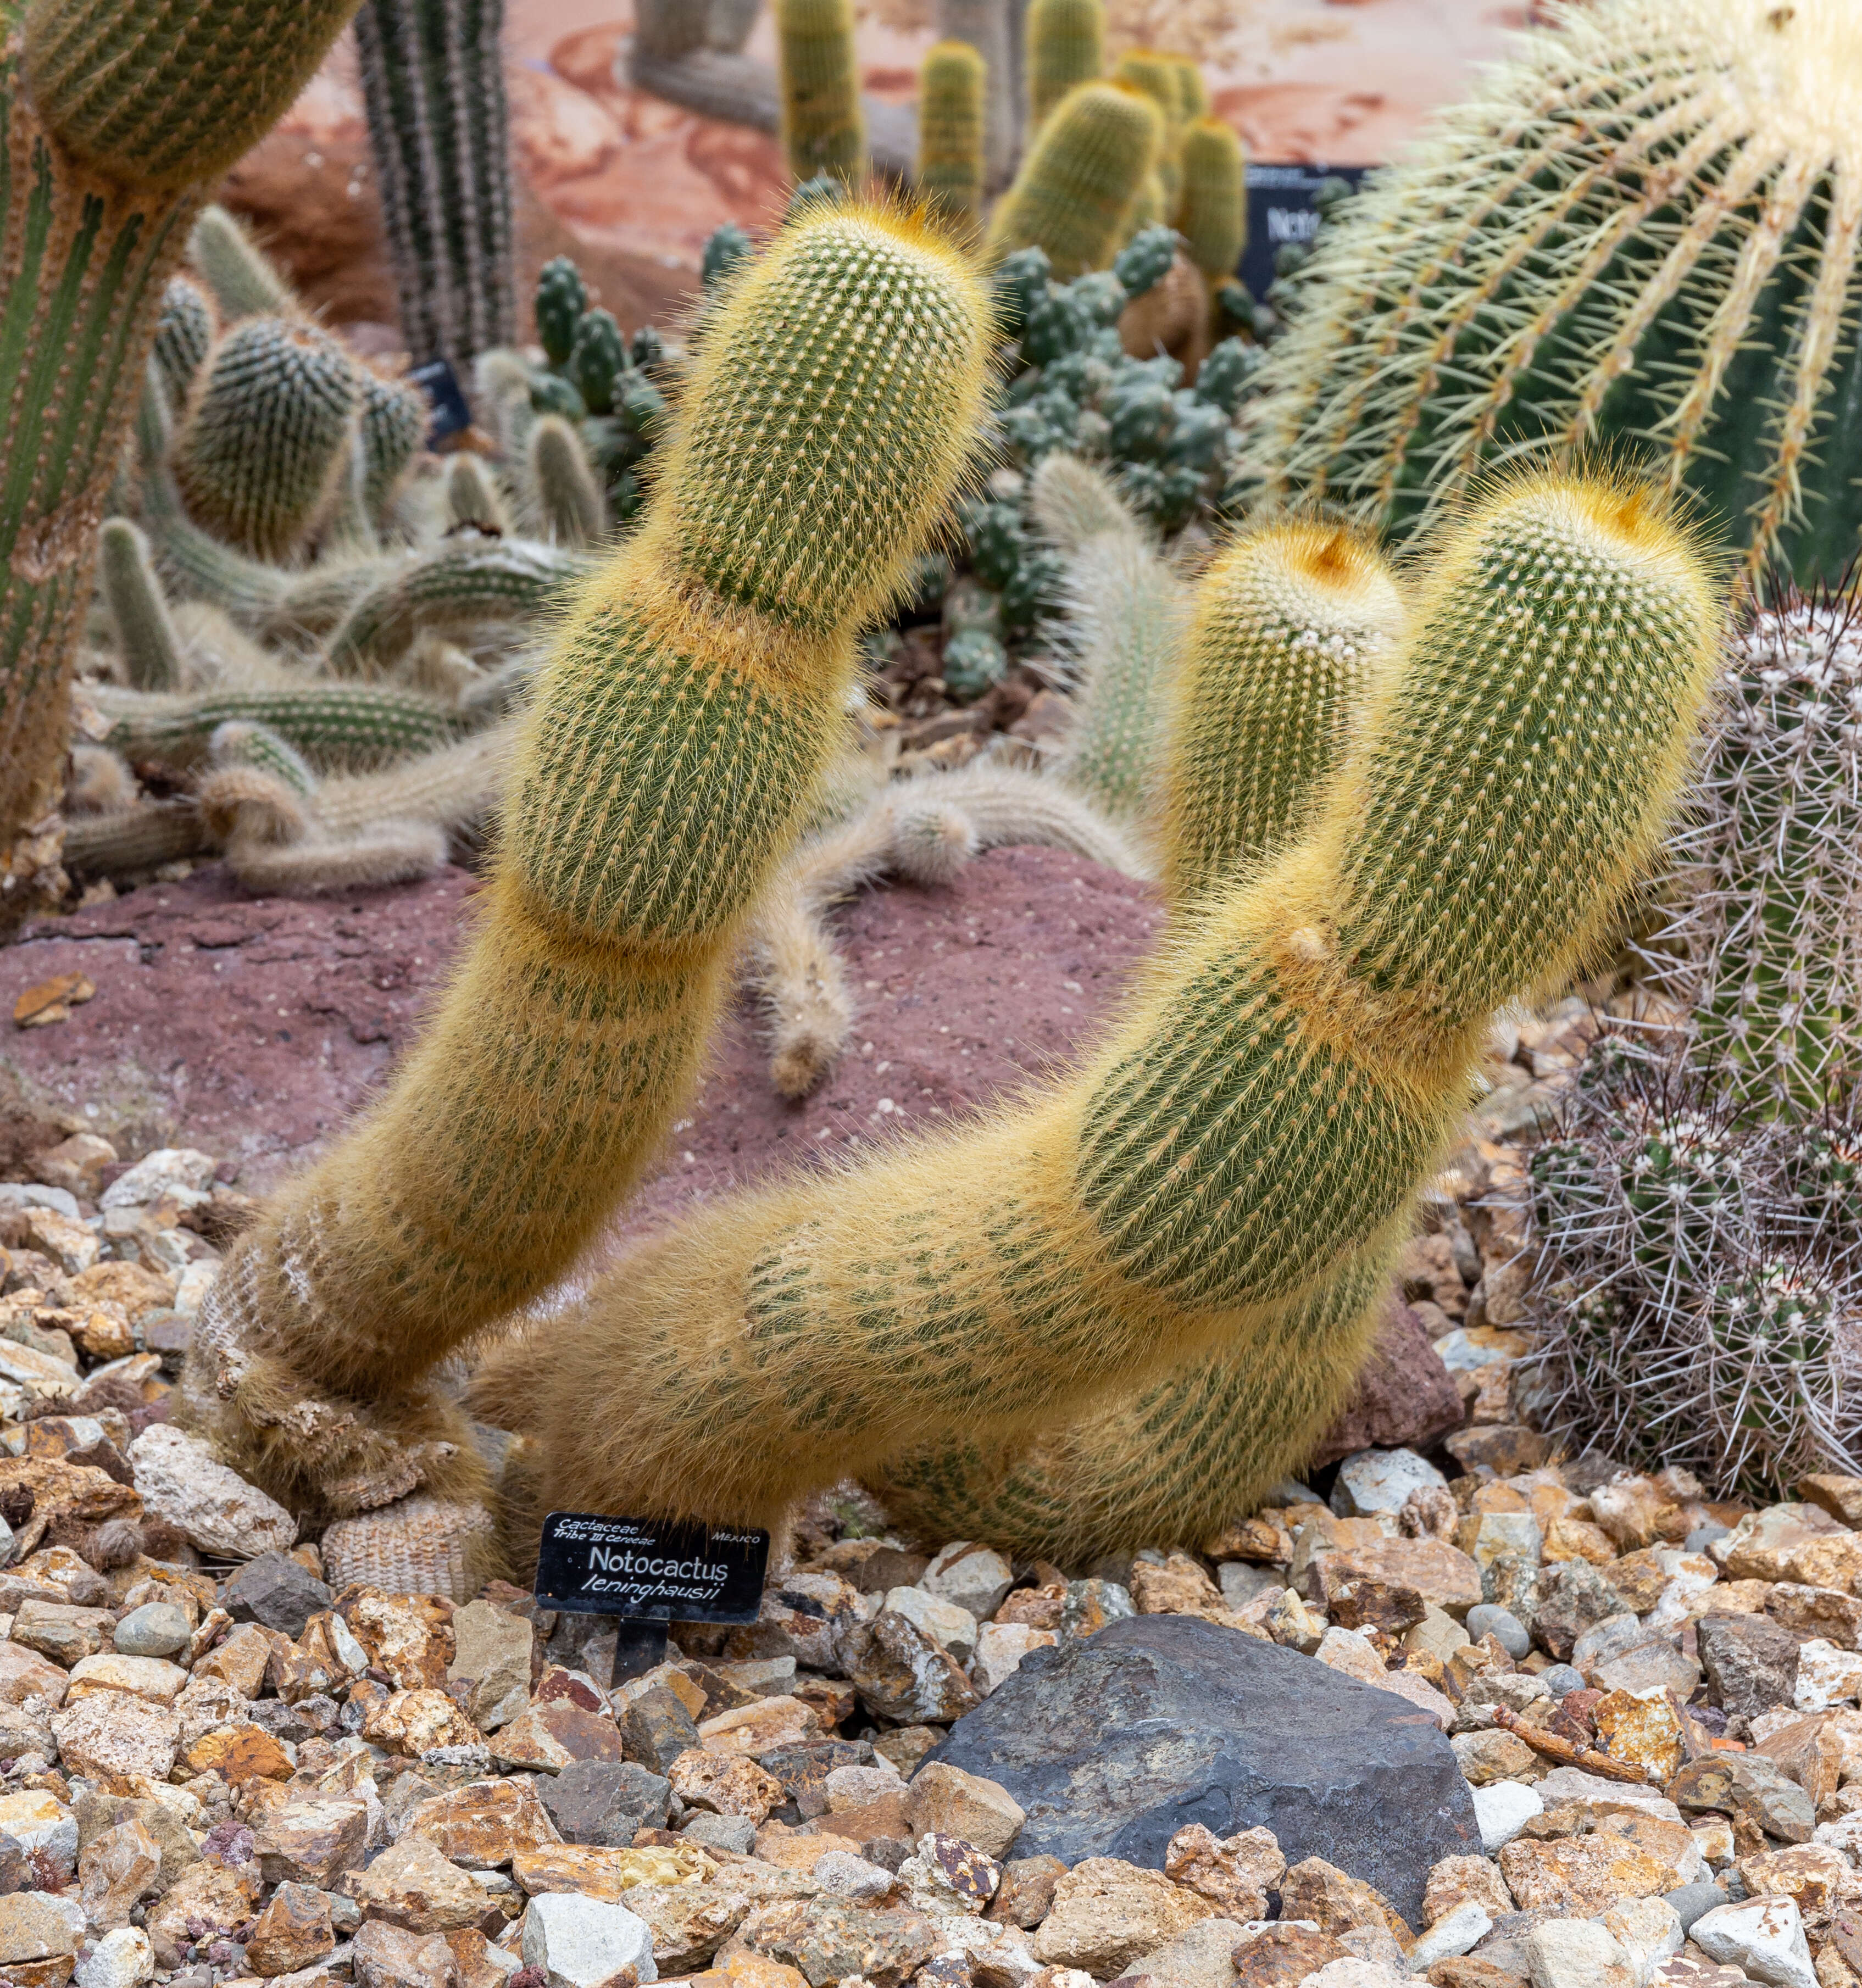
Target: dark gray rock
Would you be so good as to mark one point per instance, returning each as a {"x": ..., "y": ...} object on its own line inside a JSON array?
[
  {"x": 734, "y": 1833},
  {"x": 603, "y": 1802},
  {"x": 1751, "y": 1662},
  {"x": 276, "y": 1590},
  {"x": 1691, "y": 1901},
  {"x": 1114, "y": 1743},
  {"x": 1569, "y": 1597},
  {"x": 1561, "y": 1679}
]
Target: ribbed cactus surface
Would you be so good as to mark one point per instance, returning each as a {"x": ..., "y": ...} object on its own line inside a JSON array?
[
  {"x": 1155, "y": 76},
  {"x": 818, "y": 67},
  {"x": 1293, "y": 624},
  {"x": 145, "y": 631},
  {"x": 184, "y": 336},
  {"x": 391, "y": 425},
  {"x": 438, "y": 124},
  {"x": 1066, "y": 45},
  {"x": 1641, "y": 233},
  {"x": 1213, "y": 213},
  {"x": 677, "y": 736},
  {"x": 267, "y": 434},
  {"x": 113, "y": 114},
  {"x": 950, "y": 157},
  {"x": 1075, "y": 194}
]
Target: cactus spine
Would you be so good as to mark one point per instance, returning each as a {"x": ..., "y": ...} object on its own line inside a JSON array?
[
  {"x": 676, "y": 741},
  {"x": 266, "y": 439},
  {"x": 1066, "y": 45},
  {"x": 950, "y": 163},
  {"x": 461, "y": 587},
  {"x": 1213, "y": 215},
  {"x": 823, "y": 128},
  {"x": 145, "y": 631},
  {"x": 114, "y": 115},
  {"x": 243, "y": 282},
  {"x": 1075, "y": 193},
  {"x": 1635, "y": 231},
  {"x": 1266, "y": 1109},
  {"x": 438, "y": 127}
]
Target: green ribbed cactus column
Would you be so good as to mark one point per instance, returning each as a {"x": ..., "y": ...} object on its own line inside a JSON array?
[
  {"x": 1066, "y": 46},
  {"x": 1265, "y": 1110},
  {"x": 1155, "y": 76},
  {"x": 114, "y": 116},
  {"x": 438, "y": 128},
  {"x": 1075, "y": 193},
  {"x": 950, "y": 162},
  {"x": 673, "y": 746},
  {"x": 818, "y": 67},
  {"x": 1213, "y": 213}
]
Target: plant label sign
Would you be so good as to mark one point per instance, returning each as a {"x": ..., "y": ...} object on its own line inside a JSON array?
[{"x": 651, "y": 1570}]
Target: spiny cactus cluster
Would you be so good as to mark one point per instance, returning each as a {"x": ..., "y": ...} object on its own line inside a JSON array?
[
  {"x": 1640, "y": 231},
  {"x": 1697, "y": 1215}
]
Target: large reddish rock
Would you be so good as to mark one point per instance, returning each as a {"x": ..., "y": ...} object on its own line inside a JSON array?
[{"x": 1405, "y": 1397}]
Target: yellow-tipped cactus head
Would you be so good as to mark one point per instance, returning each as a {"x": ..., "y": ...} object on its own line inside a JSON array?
[
  {"x": 167, "y": 95},
  {"x": 832, "y": 410},
  {"x": 1294, "y": 623}
]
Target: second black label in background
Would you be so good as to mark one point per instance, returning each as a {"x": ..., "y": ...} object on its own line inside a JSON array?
[{"x": 649, "y": 1570}]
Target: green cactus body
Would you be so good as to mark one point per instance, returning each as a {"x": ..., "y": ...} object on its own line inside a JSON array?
[
  {"x": 234, "y": 268},
  {"x": 473, "y": 495},
  {"x": 242, "y": 743},
  {"x": 561, "y": 298},
  {"x": 598, "y": 360},
  {"x": 1214, "y": 216},
  {"x": 127, "y": 840},
  {"x": 391, "y": 425},
  {"x": 1155, "y": 76},
  {"x": 1192, "y": 90},
  {"x": 568, "y": 504},
  {"x": 267, "y": 437},
  {"x": 950, "y": 164},
  {"x": 823, "y": 127},
  {"x": 460, "y": 587},
  {"x": 201, "y": 566},
  {"x": 151, "y": 649},
  {"x": 1636, "y": 234},
  {"x": 331, "y": 725},
  {"x": 1293, "y": 623},
  {"x": 1066, "y": 45},
  {"x": 438, "y": 127},
  {"x": 114, "y": 115},
  {"x": 1074, "y": 195},
  {"x": 184, "y": 336},
  {"x": 672, "y": 749}
]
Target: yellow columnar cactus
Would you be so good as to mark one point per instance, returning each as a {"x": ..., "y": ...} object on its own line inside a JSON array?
[
  {"x": 674, "y": 745},
  {"x": 1074, "y": 194},
  {"x": 950, "y": 120},
  {"x": 1066, "y": 46}
]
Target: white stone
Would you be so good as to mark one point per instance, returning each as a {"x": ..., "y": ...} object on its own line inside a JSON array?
[
  {"x": 120, "y": 1959},
  {"x": 176, "y": 1172},
  {"x": 943, "y": 1621},
  {"x": 1845, "y": 1834},
  {"x": 36, "y": 1194},
  {"x": 193, "y": 1284},
  {"x": 1765, "y": 1936},
  {"x": 37, "y": 1373},
  {"x": 1577, "y": 1953},
  {"x": 1346, "y": 1651},
  {"x": 181, "y": 1480},
  {"x": 1502, "y": 1809},
  {"x": 579, "y": 1942},
  {"x": 854, "y": 1786},
  {"x": 1001, "y": 1647},
  {"x": 844, "y": 1875},
  {"x": 1380, "y": 1480},
  {"x": 1648, "y": 1930},
  {"x": 1827, "y": 1676},
  {"x": 974, "y": 1578},
  {"x": 1456, "y": 1933},
  {"x": 41, "y": 1821},
  {"x": 1572, "y": 1784},
  {"x": 1352, "y": 1973}
]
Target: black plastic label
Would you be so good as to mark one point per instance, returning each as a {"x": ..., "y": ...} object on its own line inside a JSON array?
[{"x": 648, "y": 1569}]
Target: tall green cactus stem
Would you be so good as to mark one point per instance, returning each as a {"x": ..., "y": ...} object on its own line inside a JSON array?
[
  {"x": 462, "y": 586},
  {"x": 1155, "y": 76},
  {"x": 985, "y": 26},
  {"x": 1293, "y": 624},
  {"x": 267, "y": 437},
  {"x": 1642, "y": 230},
  {"x": 332, "y": 724},
  {"x": 185, "y": 333},
  {"x": 674, "y": 744},
  {"x": 823, "y": 127},
  {"x": 1267, "y": 1106},
  {"x": 391, "y": 425},
  {"x": 145, "y": 631},
  {"x": 950, "y": 162},
  {"x": 438, "y": 127},
  {"x": 1066, "y": 46},
  {"x": 113, "y": 114},
  {"x": 1214, "y": 215},
  {"x": 236, "y": 269},
  {"x": 1074, "y": 194},
  {"x": 567, "y": 502},
  {"x": 1765, "y": 945},
  {"x": 1191, "y": 88}
]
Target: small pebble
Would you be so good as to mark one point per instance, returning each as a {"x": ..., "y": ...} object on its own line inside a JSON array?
[
  {"x": 1503, "y": 1625},
  {"x": 1559, "y": 1678},
  {"x": 156, "y": 1629},
  {"x": 735, "y": 1833}
]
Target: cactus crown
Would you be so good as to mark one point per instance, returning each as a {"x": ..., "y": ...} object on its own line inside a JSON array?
[
  {"x": 164, "y": 96},
  {"x": 797, "y": 485},
  {"x": 1642, "y": 228}
]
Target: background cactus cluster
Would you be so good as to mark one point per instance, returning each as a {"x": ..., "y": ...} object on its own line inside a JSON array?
[{"x": 1699, "y": 1213}]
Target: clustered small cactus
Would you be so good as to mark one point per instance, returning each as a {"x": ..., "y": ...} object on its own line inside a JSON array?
[{"x": 1696, "y": 1214}]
